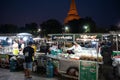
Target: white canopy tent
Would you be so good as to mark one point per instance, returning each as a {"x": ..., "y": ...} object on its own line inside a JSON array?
[
  {"x": 3, "y": 37},
  {"x": 24, "y": 34}
]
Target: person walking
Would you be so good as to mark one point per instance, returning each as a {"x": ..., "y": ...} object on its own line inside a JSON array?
[{"x": 28, "y": 53}]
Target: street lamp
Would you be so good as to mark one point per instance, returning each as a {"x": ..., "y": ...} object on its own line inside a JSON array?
[
  {"x": 86, "y": 28},
  {"x": 39, "y": 30},
  {"x": 67, "y": 29}
]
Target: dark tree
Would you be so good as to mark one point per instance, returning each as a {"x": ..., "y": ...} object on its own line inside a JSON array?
[
  {"x": 31, "y": 28},
  {"x": 22, "y": 29},
  {"x": 91, "y": 23},
  {"x": 87, "y": 25},
  {"x": 83, "y": 25},
  {"x": 113, "y": 28},
  {"x": 73, "y": 26},
  {"x": 51, "y": 26},
  {"x": 8, "y": 28}
]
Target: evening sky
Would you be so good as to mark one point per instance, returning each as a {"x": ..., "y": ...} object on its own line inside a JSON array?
[{"x": 20, "y": 12}]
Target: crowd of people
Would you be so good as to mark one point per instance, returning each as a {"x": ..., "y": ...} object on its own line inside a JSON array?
[
  {"x": 29, "y": 49},
  {"x": 25, "y": 48}
]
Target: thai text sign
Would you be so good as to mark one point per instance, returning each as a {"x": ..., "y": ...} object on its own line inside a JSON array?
[
  {"x": 62, "y": 37},
  {"x": 88, "y": 70}
]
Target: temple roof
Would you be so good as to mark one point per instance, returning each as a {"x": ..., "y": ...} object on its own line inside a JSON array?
[{"x": 72, "y": 13}]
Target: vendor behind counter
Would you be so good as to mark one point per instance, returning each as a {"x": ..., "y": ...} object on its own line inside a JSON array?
[
  {"x": 76, "y": 48},
  {"x": 55, "y": 49}
]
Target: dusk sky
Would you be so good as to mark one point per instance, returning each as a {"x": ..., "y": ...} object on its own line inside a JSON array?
[{"x": 20, "y": 12}]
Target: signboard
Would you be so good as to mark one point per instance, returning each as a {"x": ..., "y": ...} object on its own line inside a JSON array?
[
  {"x": 86, "y": 37},
  {"x": 88, "y": 70},
  {"x": 114, "y": 53},
  {"x": 62, "y": 37}
]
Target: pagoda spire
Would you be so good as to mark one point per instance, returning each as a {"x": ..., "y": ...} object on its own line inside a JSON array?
[{"x": 72, "y": 13}]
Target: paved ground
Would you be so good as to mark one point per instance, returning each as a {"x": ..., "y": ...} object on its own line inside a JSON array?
[
  {"x": 104, "y": 74},
  {"x": 5, "y": 74}
]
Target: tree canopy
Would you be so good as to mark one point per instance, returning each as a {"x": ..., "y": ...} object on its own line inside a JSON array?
[{"x": 51, "y": 26}]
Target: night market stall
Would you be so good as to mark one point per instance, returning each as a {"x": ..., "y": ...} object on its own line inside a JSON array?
[
  {"x": 84, "y": 65},
  {"x": 7, "y": 50},
  {"x": 116, "y": 51}
]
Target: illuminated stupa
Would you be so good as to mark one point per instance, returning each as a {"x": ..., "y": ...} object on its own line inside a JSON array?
[{"x": 72, "y": 13}]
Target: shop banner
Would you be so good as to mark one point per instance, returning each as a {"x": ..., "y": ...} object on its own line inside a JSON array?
[
  {"x": 88, "y": 70},
  {"x": 62, "y": 37},
  {"x": 114, "y": 53},
  {"x": 86, "y": 37}
]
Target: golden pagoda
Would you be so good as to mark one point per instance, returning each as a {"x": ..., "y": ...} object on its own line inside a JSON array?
[{"x": 72, "y": 13}]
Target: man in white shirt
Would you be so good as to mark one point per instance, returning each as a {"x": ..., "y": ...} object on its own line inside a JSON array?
[{"x": 76, "y": 48}]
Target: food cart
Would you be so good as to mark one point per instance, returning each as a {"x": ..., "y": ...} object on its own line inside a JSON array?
[
  {"x": 70, "y": 66},
  {"x": 75, "y": 66},
  {"x": 6, "y": 49},
  {"x": 116, "y": 51},
  {"x": 6, "y": 55}
]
